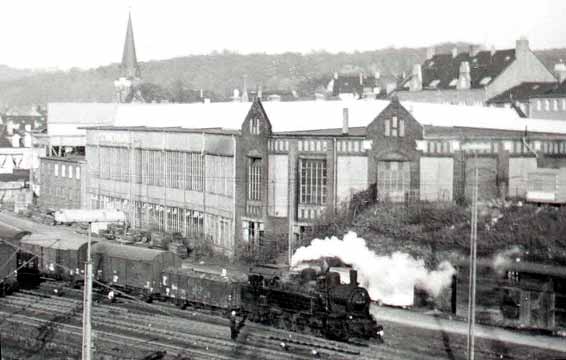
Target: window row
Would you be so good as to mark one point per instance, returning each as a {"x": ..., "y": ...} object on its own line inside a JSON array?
[
  {"x": 198, "y": 226},
  {"x": 174, "y": 169},
  {"x": 551, "y": 105},
  {"x": 67, "y": 171}
]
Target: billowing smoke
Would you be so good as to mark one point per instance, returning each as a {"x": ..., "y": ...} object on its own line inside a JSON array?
[{"x": 389, "y": 279}]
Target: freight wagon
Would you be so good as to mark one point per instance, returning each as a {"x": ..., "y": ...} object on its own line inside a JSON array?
[
  {"x": 134, "y": 269},
  {"x": 547, "y": 186},
  {"x": 9, "y": 242},
  {"x": 60, "y": 255},
  {"x": 192, "y": 287}
]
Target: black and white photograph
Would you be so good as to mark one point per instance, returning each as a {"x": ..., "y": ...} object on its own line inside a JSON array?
[{"x": 297, "y": 180}]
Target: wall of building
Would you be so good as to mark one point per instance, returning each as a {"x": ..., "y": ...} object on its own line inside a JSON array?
[
  {"x": 171, "y": 181},
  {"x": 548, "y": 108},
  {"x": 63, "y": 183},
  {"x": 445, "y": 96}
]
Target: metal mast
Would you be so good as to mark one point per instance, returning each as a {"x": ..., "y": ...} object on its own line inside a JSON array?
[
  {"x": 87, "y": 302},
  {"x": 472, "y": 274}
]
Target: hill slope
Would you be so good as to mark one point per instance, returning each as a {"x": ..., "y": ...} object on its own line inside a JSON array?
[{"x": 218, "y": 72}]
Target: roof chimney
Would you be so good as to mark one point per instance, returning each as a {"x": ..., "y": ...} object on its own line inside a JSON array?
[
  {"x": 245, "y": 89},
  {"x": 361, "y": 79},
  {"x": 345, "y": 120},
  {"x": 492, "y": 50},
  {"x": 430, "y": 52},
  {"x": 464, "y": 80},
  {"x": 259, "y": 92},
  {"x": 417, "y": 78},
  {"x": 454, "y": 52},
  {"x": 474, "y": 50},
  {"x": 521, "y": 46},
  {"x": 560, "y": 71}
]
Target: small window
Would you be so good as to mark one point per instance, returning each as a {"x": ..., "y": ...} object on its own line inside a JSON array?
[
  {"x": 56, "y": 170},
  {"x": 539, "y": 105},
  {"x": 78, "y": 173},
  {"x": 563, "y": 104},
  {"x": 63, "y": 170},
  {"x": 555, "y": 105},
  {"x": 71, "y": 172},
  {"x": 395, "y": 127},
  {"x": 547, "y": 105}
]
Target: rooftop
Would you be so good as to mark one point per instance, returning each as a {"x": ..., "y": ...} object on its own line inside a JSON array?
[
  {"x": 523, "y": 92},
  {"x": 440, "y": 71}
]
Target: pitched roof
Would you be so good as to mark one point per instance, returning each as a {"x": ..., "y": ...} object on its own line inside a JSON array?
[
  {"x": 439, "y": 71},
  {"x": 81, "y": 113},
  {"x": 479, "y": 117},
  {"x": 523, "y": 92},
  {"x": 129, "y": 67}
]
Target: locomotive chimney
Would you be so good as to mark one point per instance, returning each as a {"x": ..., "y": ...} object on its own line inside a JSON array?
[{"x": 353, "y": 277}]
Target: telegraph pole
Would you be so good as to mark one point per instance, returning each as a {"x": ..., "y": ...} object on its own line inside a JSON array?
[
  {"x": 472, "y": 273},
  {"x": 87, "y": 301}
]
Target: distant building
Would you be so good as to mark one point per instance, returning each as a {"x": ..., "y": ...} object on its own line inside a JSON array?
[
  {"x": 519, "y": 96},
  {"x": 472, "y": 78},
  {"x": 62, "y": 182},
  {"x": 549, "y": 105}
]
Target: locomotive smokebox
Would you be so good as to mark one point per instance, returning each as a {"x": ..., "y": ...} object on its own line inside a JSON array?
[{"x": 353, "y": 277}]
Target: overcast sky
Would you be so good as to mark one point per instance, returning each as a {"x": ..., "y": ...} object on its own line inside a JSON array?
[{"x": 67, "y": 33}]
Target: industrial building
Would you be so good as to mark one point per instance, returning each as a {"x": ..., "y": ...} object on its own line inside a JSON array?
[{"x": 231, "y": 172}]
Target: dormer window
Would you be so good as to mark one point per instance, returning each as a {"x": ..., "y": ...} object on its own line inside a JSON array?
[
  {"x": 434, "y": 83},
  {"x": 453, "y": 82},
  {"x": 394, "y": 127},
  {"x": 485, "y": 80},
  {"x": 254, "y": 126}
]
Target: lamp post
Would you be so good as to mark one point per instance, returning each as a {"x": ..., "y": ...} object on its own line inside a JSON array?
[{"x": 88, "y": 216}]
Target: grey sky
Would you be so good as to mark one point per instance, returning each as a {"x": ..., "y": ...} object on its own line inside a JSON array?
[{"x": 67, "y": 33}]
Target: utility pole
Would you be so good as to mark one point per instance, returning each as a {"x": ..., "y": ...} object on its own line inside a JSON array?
[
  {"x": 67, "y": 216},
  {"x": 472, "y": 273},
  {"x": 87, "y": 301}
]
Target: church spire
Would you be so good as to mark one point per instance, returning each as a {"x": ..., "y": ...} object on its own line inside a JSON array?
[
  {"x": 128, "y": 84},
  {"x": 129, "y": 67}
]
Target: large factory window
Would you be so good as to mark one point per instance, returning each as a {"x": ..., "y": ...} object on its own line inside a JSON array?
[
  {"x": 254, "y": 178},
  {"x": 313, "y": 180},
  {"x": 393, "y": 180}
]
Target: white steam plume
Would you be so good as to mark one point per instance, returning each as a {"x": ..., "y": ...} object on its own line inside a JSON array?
[{"x": 389, "y": 279}]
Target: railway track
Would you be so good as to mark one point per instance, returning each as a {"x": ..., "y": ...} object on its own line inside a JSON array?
[
  {"x": 176, "y": 330},
  {"x": 193, "y": 336}
]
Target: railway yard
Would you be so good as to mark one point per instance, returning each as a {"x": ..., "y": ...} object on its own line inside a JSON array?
[{"x": 40, "y": 325}]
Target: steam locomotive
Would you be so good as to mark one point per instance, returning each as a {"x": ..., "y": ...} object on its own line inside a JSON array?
[{"x": 311, "y": 302}]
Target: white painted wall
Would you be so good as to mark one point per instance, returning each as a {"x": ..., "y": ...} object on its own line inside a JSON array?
[
  {"x": 352, "y": 176},
  {"x": 436, "y": 180},
  {"x": 519, "y": 169},
  {"x": 278, "y": 185}
]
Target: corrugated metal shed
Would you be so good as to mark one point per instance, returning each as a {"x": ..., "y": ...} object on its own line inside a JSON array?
[
  {"x": 45, "y": 236},
  {"x": 9, "y": 232}
]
